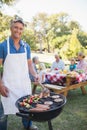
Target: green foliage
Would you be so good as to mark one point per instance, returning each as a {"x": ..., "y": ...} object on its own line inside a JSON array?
[
  {"x": 72, "y": 45},
  {"x": 82, "y": 36},
  {"x": 4, "y": 26},
  {"x": 54, "y": 32},
  {"x": 8, "y": 2},
  {"x": 47, "y": 65},
  {"x": 28, "y": 36},
  {"x": 58, "y": 42},
  {"x": 73, "y": 25}
]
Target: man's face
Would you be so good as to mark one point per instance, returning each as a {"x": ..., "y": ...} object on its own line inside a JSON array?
[
  {"x": 16, "y": 30},
  {"x": 37, "y": 61},
  {"x": 57, "y": 57}
]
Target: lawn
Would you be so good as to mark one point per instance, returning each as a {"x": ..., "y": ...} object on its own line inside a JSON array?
[{"x": 73, "y": 116}]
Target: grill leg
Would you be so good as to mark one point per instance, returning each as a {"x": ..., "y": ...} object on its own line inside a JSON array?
[{"x": 50, "y": 125}]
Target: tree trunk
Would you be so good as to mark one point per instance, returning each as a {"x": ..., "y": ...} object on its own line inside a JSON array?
[
  {"x": 48, "y": 48},
  {"x": 40, "y": 46}
]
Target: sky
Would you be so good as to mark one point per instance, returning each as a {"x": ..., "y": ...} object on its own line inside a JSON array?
[{"x": 26, "y": 9}]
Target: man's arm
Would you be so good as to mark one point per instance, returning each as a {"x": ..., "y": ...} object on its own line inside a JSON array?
[
  {"x": 30, "y": 65},
  {"x": 0, "y": 65},
  {"x": 52, "y": 66},
  {"x": 3, "y": 89},
  {"x": 31, "y": 68},
  {"x": 63, "y": 65},
  {"x": 1, "y": 61}
]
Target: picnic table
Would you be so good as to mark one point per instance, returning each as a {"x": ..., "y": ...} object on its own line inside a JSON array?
[{"x": 70, "y": 82}]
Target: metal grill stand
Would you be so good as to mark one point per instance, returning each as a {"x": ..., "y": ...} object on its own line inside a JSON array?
[
  {"x": 50, "y": 125},
  {"x": 27, "y": 117}
]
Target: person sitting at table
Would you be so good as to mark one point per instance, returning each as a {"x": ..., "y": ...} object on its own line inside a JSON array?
[
  {"x": 72, "y": 65},
  {"x": 35, "y": 61},
  {"x": 82, "y": 64},
  {"x": 58, "y": 64}
]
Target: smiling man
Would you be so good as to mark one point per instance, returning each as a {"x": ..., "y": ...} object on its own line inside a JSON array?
[
  {"x": 15, "y": 56},
  {"x": 58, "y": 64}
]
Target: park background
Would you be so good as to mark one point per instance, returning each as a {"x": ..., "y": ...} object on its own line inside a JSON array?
[
  {"x": 47, "y": 32},
  {"x": 50, "y": 26}
]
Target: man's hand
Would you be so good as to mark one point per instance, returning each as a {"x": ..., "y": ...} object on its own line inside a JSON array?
[{"x": 3, "y": 90}]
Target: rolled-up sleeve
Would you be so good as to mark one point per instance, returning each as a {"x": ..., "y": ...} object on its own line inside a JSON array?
[
  {"x": 1, "y": 51},
  {"x": 28, "y": 52}
]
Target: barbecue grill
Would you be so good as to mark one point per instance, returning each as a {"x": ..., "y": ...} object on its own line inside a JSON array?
[{"x": 48, "y": 115}]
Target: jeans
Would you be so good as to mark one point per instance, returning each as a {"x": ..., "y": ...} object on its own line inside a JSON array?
[
  {"x": 26, "y": 123},
  {"x": 3, "y": 118},
  {"x": 47, "y": 82}
]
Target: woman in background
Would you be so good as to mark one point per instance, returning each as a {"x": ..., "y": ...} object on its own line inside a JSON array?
[{"x": 82, "y": 64}]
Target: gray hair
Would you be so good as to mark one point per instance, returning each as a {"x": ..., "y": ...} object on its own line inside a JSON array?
[
  {"x": 35, "y": 58},
  {"x": 16, "y": 21},
  {"x": 81, "y": 54}
]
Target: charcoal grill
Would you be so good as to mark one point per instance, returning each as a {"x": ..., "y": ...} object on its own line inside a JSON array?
[{"x": 48, "y": 115}]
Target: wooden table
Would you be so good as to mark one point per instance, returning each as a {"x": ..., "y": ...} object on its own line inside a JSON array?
[{"x": 64, "y": 89}]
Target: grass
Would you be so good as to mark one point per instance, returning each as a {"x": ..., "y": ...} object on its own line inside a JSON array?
[
  {"x": 48, "y": 65},
  {"x": 73, "y": 116}
]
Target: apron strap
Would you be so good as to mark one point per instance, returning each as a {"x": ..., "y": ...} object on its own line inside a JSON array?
[
  {"x": 24, "y": 47},
  {"x": 8, "y": 50},
  {"x": 25, "y": 50}
]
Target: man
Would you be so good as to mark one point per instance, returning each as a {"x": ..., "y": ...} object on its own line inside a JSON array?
[
  {"x": 35, "y": 61},
  {"x": 15, "y": 56},
  {"x": 58, "y": 64}
]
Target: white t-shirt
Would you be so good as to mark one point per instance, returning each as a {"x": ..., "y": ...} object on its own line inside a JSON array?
[{"x": 42, "y": 75}]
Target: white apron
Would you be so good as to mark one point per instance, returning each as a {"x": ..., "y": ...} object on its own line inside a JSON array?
[{"x": 16, "y": 79}]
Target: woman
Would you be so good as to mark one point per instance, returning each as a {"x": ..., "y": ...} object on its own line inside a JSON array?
[{"x": 82, "y": 64}]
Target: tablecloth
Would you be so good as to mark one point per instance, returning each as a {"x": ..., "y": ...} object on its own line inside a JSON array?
[{"x": 60, "y": 79}]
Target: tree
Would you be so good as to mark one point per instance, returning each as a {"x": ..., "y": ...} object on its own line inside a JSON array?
[
  {"x": 39, "y": 26},
  {"x": 8, "y": 2},
  {"x": 73, "y": 25},
  {"x": 59, "y": 42},
  {"x": 49, "y": 38},
  {"x": 4, "y": 26},
  {"x": 82, "y": 36},
  {"x": 63, "y": 22},
  {"x": 74, "y": 45},
  {"x": 28, "y": 36}
]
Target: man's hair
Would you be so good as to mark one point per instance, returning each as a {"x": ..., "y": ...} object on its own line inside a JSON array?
[
  {"x": 35, "y": 58},
  {"x": 17, "y": 21}
]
